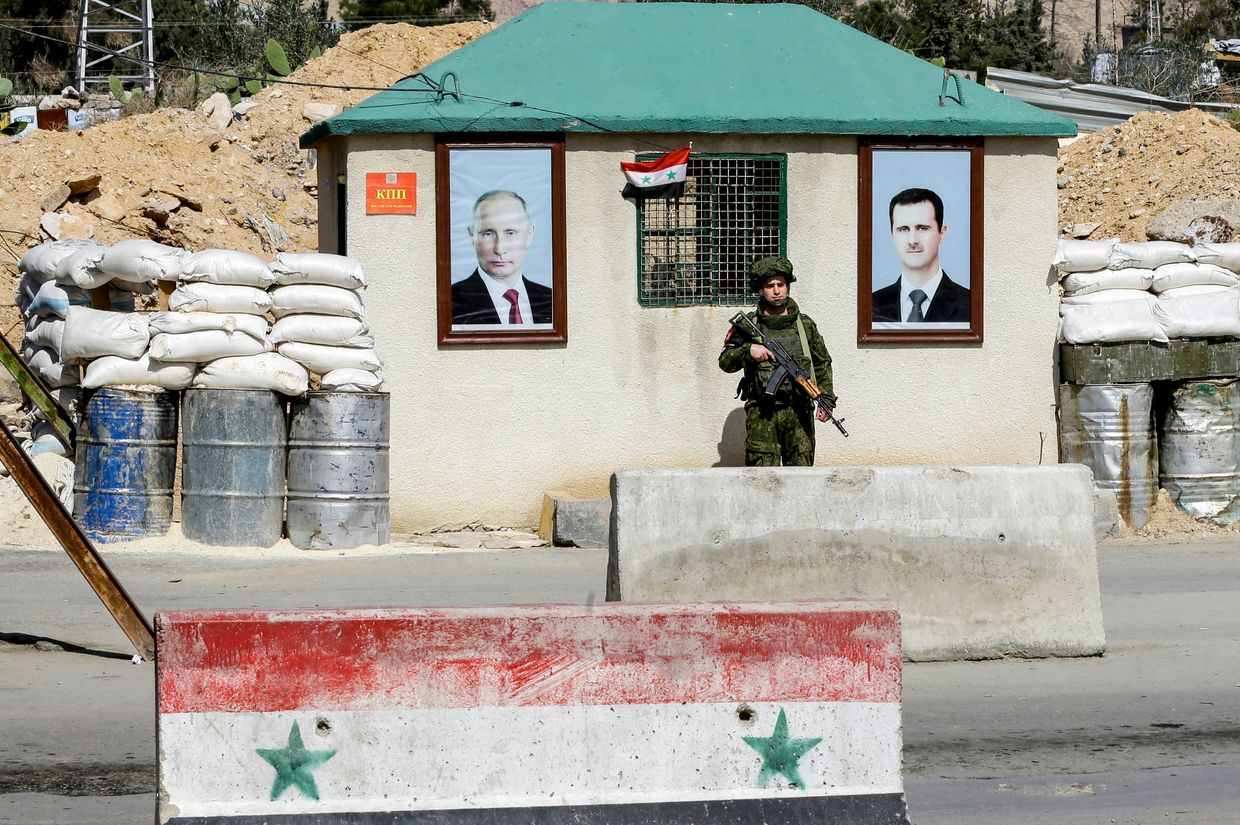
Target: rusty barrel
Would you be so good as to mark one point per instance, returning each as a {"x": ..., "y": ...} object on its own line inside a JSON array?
[
  {"x": 1110, "y": 429},
  {"x": 1197, "y": 450},
  {"x": 125, "y": 464}
]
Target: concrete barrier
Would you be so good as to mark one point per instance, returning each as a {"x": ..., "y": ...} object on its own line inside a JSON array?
[
  {"x": 694, "y": 714},
  {"x": 982, "y": 562}
]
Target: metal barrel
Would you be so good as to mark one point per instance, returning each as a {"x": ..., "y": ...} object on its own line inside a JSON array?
[
  {"x": 232, "y": 467},
  {"x": 1197, "y": 450},
  {"x": 125, "y": 464},
  {"x": 338, "y": 470},
  {"x": 1110, "y": 429}
]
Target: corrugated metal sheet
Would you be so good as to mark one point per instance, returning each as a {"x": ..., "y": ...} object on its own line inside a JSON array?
[{"x": 1092, "y": 105}]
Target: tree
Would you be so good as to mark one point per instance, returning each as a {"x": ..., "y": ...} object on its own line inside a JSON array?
[
  {"x": 360, "y": 12},
  {"x": 1013, "y": 37},
  {"x": 36, "y": 64}
]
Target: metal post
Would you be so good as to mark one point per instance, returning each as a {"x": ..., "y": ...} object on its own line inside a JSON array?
[{"x": 131, "y": 22}]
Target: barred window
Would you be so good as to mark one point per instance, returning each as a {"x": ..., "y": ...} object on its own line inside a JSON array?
[{"x": 697, "y": 249}]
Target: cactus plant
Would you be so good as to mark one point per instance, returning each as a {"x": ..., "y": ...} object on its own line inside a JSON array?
[
  {"x": 277, "y": 59},
  {"x": 118, "y": 90}
]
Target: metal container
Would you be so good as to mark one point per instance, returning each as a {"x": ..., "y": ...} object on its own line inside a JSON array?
[
  {"x": 125, "y": 464},
  {"x": 1197, "y": 450},
  {"x": 232, "y": 467},
  {"x": 338, "y": 470},
  {"x": 1110, "y": 429}
]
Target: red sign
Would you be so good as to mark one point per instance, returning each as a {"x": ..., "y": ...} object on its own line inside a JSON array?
[{"x": 391, "y": 193}]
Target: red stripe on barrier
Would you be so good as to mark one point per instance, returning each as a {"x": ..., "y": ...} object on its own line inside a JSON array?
[{"x": 248, "y": 661}]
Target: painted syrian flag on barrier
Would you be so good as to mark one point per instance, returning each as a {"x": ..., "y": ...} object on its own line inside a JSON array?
[
  {"x": 534, "y": 715},
  {"x": 661, "y": 178}
]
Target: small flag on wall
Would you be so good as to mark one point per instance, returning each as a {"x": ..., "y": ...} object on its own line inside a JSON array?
[{"x": 660, "y": 178}]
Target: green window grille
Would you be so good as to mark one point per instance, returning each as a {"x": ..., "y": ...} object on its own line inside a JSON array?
[{"x": 697, "y": 249}]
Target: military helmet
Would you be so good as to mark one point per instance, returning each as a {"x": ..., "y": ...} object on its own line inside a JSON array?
[{"x": 764, "y": 268}]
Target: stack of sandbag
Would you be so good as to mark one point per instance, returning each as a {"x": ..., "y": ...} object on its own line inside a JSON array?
[
  {"x": 320, "y": 320},
  {"x": 111, "y": 345},
  {"x": 1149, "y": 291},
  {"x": 46, "y": 293},
  {"x": 217, "y": 320}
]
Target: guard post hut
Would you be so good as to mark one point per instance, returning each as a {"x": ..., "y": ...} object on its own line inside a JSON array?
[{"x": 801, "y": 128}]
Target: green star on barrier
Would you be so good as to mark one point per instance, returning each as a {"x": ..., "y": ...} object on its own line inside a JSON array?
[
  {"x": 293, "y": 764},
  {"x": 780, "y": 754}
]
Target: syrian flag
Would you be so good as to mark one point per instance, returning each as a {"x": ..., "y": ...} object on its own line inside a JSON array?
[
  {"x": 604, "y": 714},
  {"x": 660, "y": 178}
]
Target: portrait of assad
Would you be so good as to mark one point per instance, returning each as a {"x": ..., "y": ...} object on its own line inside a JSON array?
[{"x": 921, "y": 226}]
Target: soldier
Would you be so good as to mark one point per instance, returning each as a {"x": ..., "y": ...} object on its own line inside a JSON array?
[{"x": 780, "y": 426}]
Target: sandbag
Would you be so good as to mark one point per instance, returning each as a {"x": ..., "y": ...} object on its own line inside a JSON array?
[
  {"x": 44, "y": 439},
  {"x": 51, "y": 370},
  {"x": 318, "y": 268},
  {"x": 205, "y": 297},
  {"x": 1083, "y": 283},
  {"x": 268, "y": 371},
  {"x": 1226, "y": 255},
  {"x": 322, "y": 359},
  {"x": 346, "y": 380},
  {"x": 1107, "y": 296},
  {"x": 27, "y": 287},
  {"x": 332, "y": 330},
  {"x": 41, "y": 262},
  {"x": 53, "y": 300},
  {"x": 1174, "y": 276},
  {"x": 254, "y": 326},
  {"x": 132, "y": 287},
  {"x": 111, "y": 371},
  {"x": 45, "y": 332},
  {"x": 1196, "y": 289},
  {"x": 81, "y": 269},
  {"x": 1083, "y": 256},
  {"x": 227, "y": 266},
  {"x": 1200, "y": 316},
  {"x": 93, "y": 333},
  {"x": 1109, "y": 322},
  {"x": 1149, "y": 255},
  {"x": 66, "y": 397},
  {"x": 314, "y": 299},
  {"x": 142, "y": 260},
  {"x": 204, "y": 345}
]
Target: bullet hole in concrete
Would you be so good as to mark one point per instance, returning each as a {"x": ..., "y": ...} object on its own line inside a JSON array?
[
  {"x": 1002, "y": 538},
  {"x": 322, "y": 727},
  {"x": 745, "y": 713}
]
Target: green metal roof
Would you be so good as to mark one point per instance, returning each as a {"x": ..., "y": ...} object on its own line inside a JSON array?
[{"x": 686, "y": 67}]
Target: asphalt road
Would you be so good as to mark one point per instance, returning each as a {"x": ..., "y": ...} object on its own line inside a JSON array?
[{"x": 1148, "y": 733}]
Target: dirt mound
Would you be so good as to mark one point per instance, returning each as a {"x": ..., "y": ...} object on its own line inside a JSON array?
[
  {"x": 243, "y": 187},
  {"x": 1123, "y": 176},
  {"x": 1169, "y": 522}
]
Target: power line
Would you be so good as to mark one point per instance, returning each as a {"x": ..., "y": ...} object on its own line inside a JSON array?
[{"x": 432, "y": 85}]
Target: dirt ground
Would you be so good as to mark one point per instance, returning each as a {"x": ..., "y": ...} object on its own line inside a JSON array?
[
  {"x": 253, "y": 167},
  {"x": 1124, "y": 176}
]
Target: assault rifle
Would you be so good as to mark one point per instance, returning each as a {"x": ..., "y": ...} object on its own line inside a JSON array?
[{"x": 786, "y": 366}]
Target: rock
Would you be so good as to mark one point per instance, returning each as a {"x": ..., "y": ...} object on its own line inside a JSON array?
[
  {"x": 314, "y": 112},
  {"x": 56, "y": 198},
  {"x": 10, "y": 393},
  {"x": 160, "y": 209},
  {"x": 1084, "y": 230},
  {"x": 191, "y": 200},
  {"x": 107, "y": 207},
  {"x": 82, "y": 185},
  {"x": 1190, "y": 221},
  {"x": 59, "y": 227},
  {"x": 244, "y": 106},
  {"x": 218, "y": 110}
]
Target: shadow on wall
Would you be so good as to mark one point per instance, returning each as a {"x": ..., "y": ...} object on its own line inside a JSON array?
[{"x": 732, "y": 440}]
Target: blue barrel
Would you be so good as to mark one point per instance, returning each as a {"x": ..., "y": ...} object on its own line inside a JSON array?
[
  {"x": 233, "y": 467},
  {"x": 125, "y": 464}
]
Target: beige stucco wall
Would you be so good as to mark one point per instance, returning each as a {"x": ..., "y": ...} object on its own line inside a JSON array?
[{"x": 481, "y": 432}]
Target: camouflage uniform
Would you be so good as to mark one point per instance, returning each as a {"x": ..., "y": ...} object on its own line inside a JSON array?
[{"x": 780, "y": 426}]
